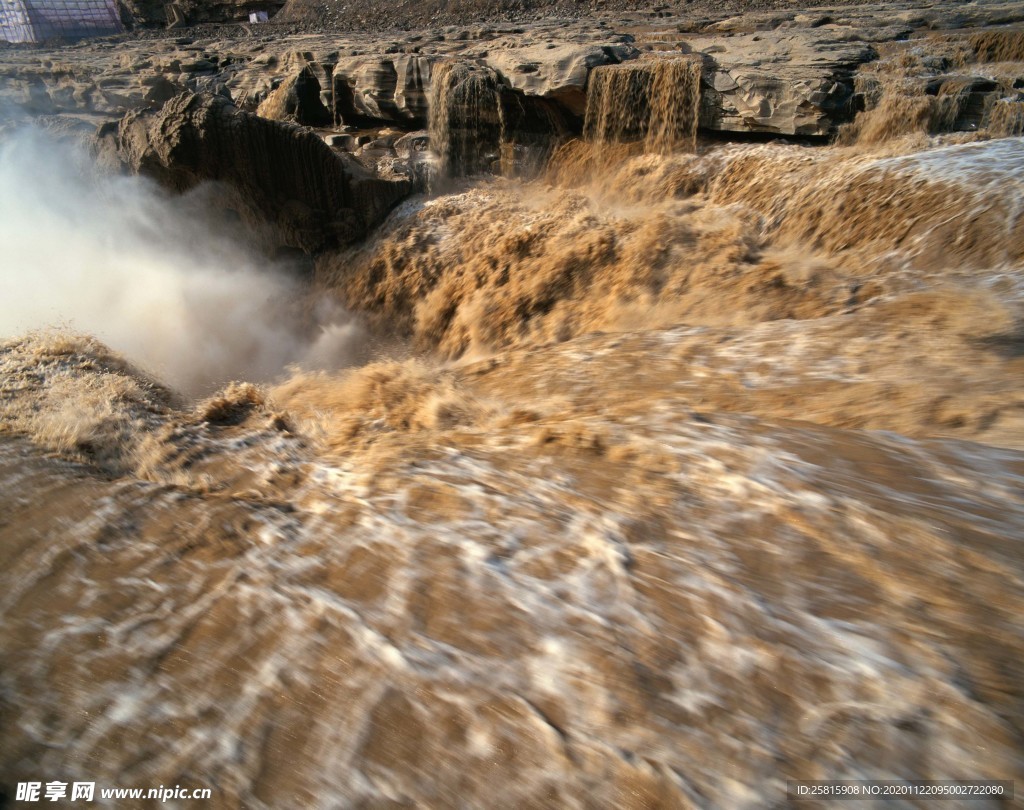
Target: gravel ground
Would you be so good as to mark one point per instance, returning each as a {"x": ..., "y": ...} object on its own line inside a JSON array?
[{"x": 406, "y": 14}]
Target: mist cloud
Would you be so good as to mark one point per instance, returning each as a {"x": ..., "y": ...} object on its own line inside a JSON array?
[{"x": 152, "y": 276}]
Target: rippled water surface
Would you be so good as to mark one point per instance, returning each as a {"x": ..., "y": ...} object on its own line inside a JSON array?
[{"x": 656, "y": 492}]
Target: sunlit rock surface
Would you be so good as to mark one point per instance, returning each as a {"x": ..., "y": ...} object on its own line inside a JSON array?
[{"x": 783, "y": 73}]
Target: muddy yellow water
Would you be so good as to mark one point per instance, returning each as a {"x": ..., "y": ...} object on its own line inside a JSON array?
[{"x": 680, "y": 484}]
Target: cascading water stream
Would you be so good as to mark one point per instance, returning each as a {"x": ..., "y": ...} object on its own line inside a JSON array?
[
  {"x": 465, "y": 121},
  {"x": 655, "y": 102}
]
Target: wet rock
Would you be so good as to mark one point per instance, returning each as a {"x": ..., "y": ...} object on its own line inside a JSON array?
[
  {"x": 297, "y": 100},
  {"x": 345, "y": 141},
  {"x": 414, "y": 143},
  {"x": 274, "y": 172}
]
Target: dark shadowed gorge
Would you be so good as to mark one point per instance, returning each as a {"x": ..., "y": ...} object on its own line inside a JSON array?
[{"x": 514, "y": 405}]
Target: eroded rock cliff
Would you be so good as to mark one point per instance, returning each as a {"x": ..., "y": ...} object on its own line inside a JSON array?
[{"x": 274, "y": 173}]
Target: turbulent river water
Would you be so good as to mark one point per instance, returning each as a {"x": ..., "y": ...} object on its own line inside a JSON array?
[{"x": 653, "y": 481}]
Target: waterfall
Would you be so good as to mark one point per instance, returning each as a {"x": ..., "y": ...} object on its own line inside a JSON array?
[
  {"x": 465, "y": 121},
  {"x": 1006, "y": 118},
  {"x": 650, "y": 104},
  {"x": 654, "y": 102}
]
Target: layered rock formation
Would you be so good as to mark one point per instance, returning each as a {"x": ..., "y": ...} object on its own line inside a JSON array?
[
  {"x": 778, "y": 73},
  {"x": 275, "y": 173}
]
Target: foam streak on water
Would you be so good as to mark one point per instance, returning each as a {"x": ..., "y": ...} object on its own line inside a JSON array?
[
  {"x": 600, "y": 590},
  {"x": 705, "y": 478}
]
